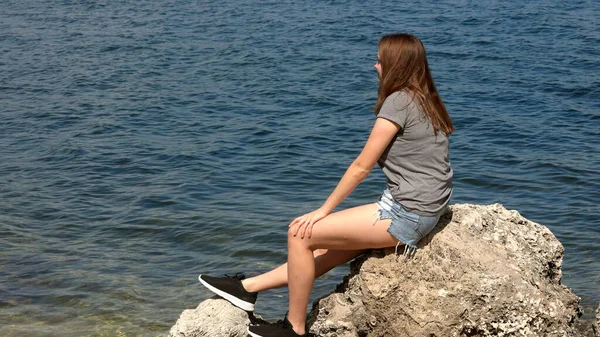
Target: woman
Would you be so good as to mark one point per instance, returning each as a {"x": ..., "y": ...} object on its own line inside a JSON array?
[{"x": 410, "y": 142}]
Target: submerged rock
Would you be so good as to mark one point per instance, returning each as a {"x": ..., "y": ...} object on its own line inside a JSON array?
[
  {"x": 484, "y": 271},
  {"x": 597, "y": 323}
]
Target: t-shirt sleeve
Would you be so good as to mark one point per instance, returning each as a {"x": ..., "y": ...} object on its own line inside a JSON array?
[{"x": 395, "y": 108}]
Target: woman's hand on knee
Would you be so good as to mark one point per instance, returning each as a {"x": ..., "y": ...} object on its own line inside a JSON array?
[{"x": 303, "y": 224}]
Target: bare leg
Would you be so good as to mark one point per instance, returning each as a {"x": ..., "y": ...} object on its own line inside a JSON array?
[
  {"x": 325, "y": 260},
  {"x": 351, "y": 229}
]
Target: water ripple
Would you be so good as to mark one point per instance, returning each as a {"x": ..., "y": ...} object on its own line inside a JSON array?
[{"x": 144, "y": 143}]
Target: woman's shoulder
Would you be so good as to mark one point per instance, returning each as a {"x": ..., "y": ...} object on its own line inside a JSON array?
[
  {"x": 396, "y": 95},
  {"x": 400, "y": 100}
]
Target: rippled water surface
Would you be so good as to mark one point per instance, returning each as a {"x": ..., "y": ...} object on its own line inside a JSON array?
[{"x": 145, "y": 142}]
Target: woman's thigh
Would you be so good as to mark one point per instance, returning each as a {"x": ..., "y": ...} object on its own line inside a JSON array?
[{"x": 351, "y": 229}]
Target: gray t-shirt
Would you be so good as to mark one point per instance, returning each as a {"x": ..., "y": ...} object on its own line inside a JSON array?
[{"x": 416, "y": 163}]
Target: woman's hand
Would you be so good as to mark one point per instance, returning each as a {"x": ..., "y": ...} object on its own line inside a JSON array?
[{"x": 303, "y": 224}]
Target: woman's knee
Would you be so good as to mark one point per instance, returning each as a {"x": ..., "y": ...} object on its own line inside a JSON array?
[{"x": 295, "y": 239}]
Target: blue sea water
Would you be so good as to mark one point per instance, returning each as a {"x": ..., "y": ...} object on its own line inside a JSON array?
[{"x": 145, "y": 142}]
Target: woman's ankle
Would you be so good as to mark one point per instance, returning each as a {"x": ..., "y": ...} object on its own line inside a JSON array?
[
  {"x": 249, "y": 285},
  {"x": 299, "y": 332},
  {"x": 301, "y": 327}
]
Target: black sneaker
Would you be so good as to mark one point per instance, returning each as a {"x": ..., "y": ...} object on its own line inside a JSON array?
[
  {"x": 231, "y": 289},
  {"x": 280, "y": 329}
]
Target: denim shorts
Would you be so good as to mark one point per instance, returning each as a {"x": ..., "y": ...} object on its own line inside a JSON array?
[{"x": 408, "y": 227}]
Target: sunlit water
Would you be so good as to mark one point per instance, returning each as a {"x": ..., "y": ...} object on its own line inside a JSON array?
[{"x": 146, "y": 142}]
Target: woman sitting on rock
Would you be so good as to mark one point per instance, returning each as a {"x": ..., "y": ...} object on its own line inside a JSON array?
[{"x": 409, "y": 141}]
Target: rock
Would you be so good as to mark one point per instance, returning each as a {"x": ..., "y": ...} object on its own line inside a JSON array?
[
  {"x": 597, "y": 323},
  {"x": 485, "y": 271},
  {"x": 212, "y": 318}
]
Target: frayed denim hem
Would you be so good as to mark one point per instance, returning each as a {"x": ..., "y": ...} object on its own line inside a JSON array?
[{"x": 409, "y": 250}]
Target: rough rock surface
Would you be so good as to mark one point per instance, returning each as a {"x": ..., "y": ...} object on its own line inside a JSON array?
[
  {"x": 214, "y": 317},
  {"x": 484, "y": 271}
]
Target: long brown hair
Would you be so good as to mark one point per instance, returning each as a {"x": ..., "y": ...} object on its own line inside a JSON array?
[{"x": 405, "y": 67}]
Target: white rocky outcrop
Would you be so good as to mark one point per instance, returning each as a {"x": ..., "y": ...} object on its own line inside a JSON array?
[
  {"x": 212, "y": 318},
  {"x": 484, "y": 271}
]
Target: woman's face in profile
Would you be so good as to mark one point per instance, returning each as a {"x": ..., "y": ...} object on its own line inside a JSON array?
[{"x": 378, "y": 67}]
